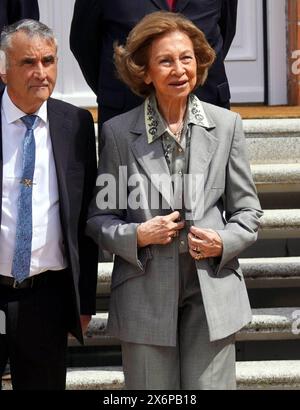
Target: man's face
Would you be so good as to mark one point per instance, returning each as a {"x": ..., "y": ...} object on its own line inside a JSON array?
[{"x": 32, "y": 70}]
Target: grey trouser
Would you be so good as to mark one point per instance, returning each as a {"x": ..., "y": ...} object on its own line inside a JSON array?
[{"x": 194, "y": 363}]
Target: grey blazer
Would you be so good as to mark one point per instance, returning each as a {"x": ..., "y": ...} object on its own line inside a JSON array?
[{"x": 145, "y": 284}]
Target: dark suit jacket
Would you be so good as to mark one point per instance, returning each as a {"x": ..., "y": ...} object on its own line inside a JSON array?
[
  {"x": 14, "y": 10},
  {"x": 98, "y": 24},
  {"x": 73, "y": 142}
]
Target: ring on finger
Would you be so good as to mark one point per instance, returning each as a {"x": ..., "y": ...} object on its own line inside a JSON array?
[{"x": 199, "y": 256}]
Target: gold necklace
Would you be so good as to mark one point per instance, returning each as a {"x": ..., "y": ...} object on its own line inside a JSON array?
[{"x": 178, "y": 132}]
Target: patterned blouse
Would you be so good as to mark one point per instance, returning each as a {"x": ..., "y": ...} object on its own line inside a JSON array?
[
  {"x": 156, "y": 126},
  {"x": 176, "y": 151}
]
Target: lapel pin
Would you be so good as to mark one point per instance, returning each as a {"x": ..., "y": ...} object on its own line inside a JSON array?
[{"x": 27, "y": 182}]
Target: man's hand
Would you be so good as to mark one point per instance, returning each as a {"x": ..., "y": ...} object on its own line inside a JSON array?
[{"x": 85, "y": 320}]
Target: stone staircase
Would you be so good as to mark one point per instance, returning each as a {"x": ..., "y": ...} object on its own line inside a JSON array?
[{"x": 268, "y": 349}]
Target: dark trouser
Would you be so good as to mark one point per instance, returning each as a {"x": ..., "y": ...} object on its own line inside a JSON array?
[{"x": 36, "y": 333}]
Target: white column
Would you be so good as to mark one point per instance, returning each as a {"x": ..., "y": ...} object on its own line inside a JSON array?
[
  {"x": 71, "y": 85},
  {"x": 277, "y": 54}
]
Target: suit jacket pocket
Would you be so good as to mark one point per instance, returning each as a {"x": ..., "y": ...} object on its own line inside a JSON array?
[{"x": 124, "y": 271}]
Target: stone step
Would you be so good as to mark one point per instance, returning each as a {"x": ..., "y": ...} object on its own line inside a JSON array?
[
  {"x": 280, "y": 223},
  {"x": 95, "y": 378},
  {"x": 88, "y": 378},
  {"x": 267, "y": 324},
  {"x": 255, "y": 375},
  {"x": 272, "y": 126},
  {"x": 270, "y": 272},
  {"x": 104, "y": 278},
  {"x": 273, "y": 140},
  {"x": 258, "y": 272},
  {"x": 272, "y": 324},
  {"x": 267, "y": 127},
  {"x": 269, "y": 375},
  {"x": 266, "y": 375},
  {"x": 276, "y": 177}
]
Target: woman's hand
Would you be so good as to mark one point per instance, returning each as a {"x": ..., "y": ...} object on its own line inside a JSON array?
[
  {"x": 204, "y": 243},
  {"x": 159, "y": 230}
]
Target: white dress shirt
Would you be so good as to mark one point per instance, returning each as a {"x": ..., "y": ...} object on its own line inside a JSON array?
[{"x": 47, "y": 252}]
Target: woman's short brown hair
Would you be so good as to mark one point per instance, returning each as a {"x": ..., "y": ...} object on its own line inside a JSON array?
[{"x": 131, "y": 60}]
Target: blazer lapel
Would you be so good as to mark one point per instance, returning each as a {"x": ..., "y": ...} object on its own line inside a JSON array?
[
  {"x": 59, "y": 125},
  {"x": 151, "y": 158},
  {"x": 161, "y": 4},
  {"x": 202, "y": 148},
  {"x": 1, "y": 162},
  {"x": 180, "y": 5},
  {"x": 203, "y": 145}
]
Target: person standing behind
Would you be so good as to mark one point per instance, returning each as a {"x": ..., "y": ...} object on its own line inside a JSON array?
[
  {"x": 14, "y": 10},
  {"x": 48, "y": 267},
  {"x": 96, "y": 25}
]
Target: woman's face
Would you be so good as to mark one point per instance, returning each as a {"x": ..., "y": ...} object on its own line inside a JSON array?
[{"x": 172, "y": 67}]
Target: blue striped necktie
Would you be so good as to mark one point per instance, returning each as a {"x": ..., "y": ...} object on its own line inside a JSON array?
[{"x": 22, "y": 254}]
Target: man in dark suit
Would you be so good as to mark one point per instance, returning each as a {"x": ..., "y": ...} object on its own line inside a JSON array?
[
  {"x": 97, "y": 25},
  {"x": 14, "y": 10},
  {"x": 48, "y": 267}
]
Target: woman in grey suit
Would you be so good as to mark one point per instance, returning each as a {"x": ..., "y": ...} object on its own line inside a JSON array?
[{"x": 176, "y": 204}]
